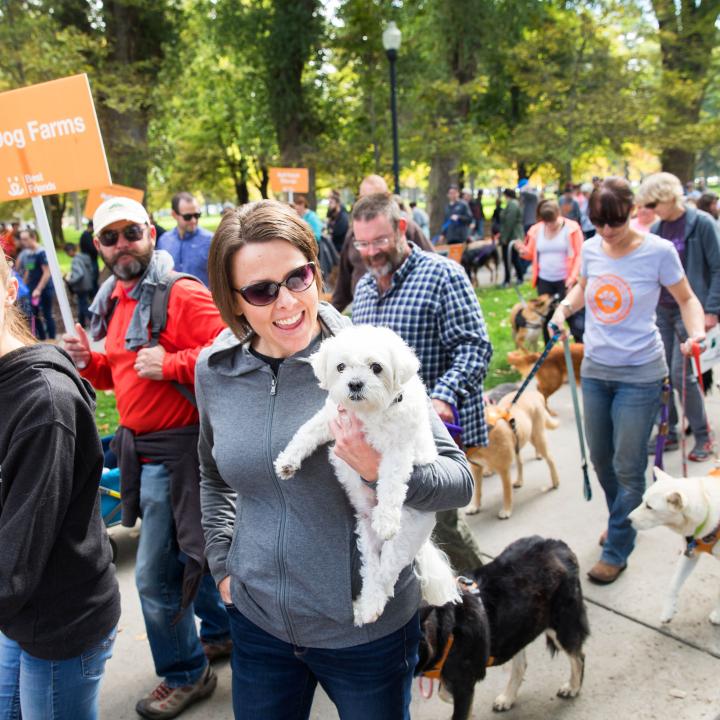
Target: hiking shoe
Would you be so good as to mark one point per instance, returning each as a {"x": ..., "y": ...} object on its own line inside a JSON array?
[
  {"x": 603, "y": 573},
  {"x": 217, "y": 650},
  {"x": 701, "y": 452},
  {"x": 167, "y": 702},
  {"x": 671, "y": 443}
]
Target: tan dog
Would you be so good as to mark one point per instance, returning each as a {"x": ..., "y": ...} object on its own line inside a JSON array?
[
  {"x": 526, "y": 320},
  {"x": 553, "y": 372},
  {"x": 531, "y": 419}
]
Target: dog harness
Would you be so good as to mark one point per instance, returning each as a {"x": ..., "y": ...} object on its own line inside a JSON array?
[
  {"x": 704, "y": 544},
  {"x": 493, "y": 414}
]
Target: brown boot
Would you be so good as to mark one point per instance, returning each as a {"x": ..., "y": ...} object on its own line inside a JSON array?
[{"x": 604, "y": 573}]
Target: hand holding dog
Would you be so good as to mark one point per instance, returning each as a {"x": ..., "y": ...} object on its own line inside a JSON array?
[{"x": 352, "y": 447}]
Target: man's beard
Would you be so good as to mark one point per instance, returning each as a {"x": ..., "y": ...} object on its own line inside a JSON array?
[
  {"x": 393, "y": 259},
  {"x": 133, "y": 269}
]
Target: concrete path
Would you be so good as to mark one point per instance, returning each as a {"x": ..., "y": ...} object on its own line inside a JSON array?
[{"x": 635, "y": 667}]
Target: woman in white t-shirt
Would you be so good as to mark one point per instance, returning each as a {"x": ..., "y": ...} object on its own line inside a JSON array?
[
  {"x": 621, "y": 273},
  {"x": 553, "y": 246}
]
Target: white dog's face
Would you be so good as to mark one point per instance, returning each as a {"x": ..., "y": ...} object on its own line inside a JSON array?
[
  {"x": 364, "y": 368},
  {"x": 663, "y": 503}
]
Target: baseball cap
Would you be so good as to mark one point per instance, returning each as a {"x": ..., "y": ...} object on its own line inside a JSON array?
[
  {"x": 522, "y": 183},
  {"x": 118, "y": 208}
]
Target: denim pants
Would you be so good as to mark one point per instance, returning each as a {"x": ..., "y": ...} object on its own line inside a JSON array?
[
  {"x": 672, "y": 330},
  {"x": 273, "y": 680},
  {"x": 45, "y": 328},
  {"x": 83, "y": 303},
  {"x": 176, "y": 649},
  {"x": 618, "y": 420},
  {"x": 35, "y": 689}
]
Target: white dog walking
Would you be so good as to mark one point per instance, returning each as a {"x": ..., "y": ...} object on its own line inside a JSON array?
[
  {"x": 691, "y": 508},
  {"x": 371, "y": 372}
]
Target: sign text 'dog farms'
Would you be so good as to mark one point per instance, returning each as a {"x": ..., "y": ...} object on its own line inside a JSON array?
[
  {"x": 289, "y": 179},
  {"x": 50, "y": 140}
]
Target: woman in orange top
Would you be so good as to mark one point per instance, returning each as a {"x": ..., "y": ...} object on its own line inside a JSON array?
[{"x": 553, "y": 246}]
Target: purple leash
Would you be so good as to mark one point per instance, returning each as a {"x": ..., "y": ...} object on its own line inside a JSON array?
[{"x": 664, "y": 420}]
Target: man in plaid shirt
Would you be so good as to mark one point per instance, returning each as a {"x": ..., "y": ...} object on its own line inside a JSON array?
[{"x": 429, "y": 302}]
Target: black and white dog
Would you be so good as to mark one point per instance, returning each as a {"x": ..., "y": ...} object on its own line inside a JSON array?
[{"x": 533, "y": 586}]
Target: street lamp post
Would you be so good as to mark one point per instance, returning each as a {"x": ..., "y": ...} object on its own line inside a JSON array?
[{"x": 391, "y": 42}]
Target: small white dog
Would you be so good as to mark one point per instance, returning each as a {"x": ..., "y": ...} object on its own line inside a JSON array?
[
  {"x": 691, "y": 508},
  {"x": 371, "y": 372}
]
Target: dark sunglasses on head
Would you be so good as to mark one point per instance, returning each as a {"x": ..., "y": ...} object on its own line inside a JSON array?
[
  {"x": 132, "y": 233},
  {"x": 650, "y": 206},
  {"x": 187, "y": 217},
  {"x": 266, "y": 292}
]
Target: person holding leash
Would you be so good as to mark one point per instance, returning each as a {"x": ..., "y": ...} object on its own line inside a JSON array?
[
  {"x": 695, "y": 236},
  {"x": 284, "y": 553},
  {"x": 59, "y": 598},
  {"x": 621, "y": 275}
]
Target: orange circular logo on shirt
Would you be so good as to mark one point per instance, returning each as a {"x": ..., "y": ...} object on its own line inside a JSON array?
[{"x": 610, "y": 298}]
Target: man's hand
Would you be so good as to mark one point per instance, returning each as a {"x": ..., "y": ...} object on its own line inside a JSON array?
[
  {"x": 78, "y": 348},
  {"x": 711, "y": 320},
  {"x": 224, "y": 590},
  {"x": 149, "y": 363},
  {"x": 443, "y": 410},
  {"x": 352, "y": 447}
]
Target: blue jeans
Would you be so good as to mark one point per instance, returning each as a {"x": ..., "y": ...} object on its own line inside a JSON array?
[
  {"x": 618, "y": 420},
  {"x": 45, "y": 328},
  {"x": 672, "y": 330},
  {"x": 273, "y": 680},
  {"x": 176, "y": 649},
  {"x": 35, "y": 689}
]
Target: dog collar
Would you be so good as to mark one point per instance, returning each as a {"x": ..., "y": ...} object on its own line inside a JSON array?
[{"x": 704, "y": 544}]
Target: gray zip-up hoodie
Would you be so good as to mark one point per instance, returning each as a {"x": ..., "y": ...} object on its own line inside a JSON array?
[{"x": 289, "y": 545}]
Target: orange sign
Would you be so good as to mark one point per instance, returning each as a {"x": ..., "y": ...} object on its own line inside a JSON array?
[
  {"x": 101, "y": 194},
  {"x": 289, "y": 180},
  {"x": 50, "y": 140}
]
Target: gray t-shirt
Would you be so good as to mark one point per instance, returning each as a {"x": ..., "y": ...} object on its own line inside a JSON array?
[{"x": 621, "y": 295}]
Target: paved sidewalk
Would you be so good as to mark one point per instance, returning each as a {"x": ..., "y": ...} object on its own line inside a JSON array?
[{"x": 635, "y": 667}]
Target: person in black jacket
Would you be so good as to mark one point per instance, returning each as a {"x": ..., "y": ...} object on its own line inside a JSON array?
[{"x": 59, "y": 598}]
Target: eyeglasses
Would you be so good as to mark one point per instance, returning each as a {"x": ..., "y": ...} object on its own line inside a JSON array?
[
  {"x": 187, "y": 217},
  {"x": 650, "y": 206},
  {"x": 267, "y": 291},
  {"x": 132, "y": 233},
  {"x": 379, "y": 243}
]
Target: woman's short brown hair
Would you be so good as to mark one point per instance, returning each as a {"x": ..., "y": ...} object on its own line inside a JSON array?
[
  {"x": 548, "y": 210},
  {"x": 256, "y": 222},
  {"x": 611, "y": 202}
]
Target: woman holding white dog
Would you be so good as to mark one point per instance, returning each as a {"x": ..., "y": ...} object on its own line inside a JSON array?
[
  {"x": 621, "y": 276},
  {"x": 283, "y": 552}
]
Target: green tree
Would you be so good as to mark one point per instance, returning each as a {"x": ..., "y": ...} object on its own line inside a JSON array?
[{"x": 687, "y": 34}]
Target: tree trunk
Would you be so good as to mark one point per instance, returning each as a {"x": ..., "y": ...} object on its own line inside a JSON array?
[
  {"x": 679, "y": 162},
  {"x": 55, "y": 205},
  {"x": 442, "y": 173}
]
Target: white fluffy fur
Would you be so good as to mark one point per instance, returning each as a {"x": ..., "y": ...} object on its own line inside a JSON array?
[
  {"x": 683, "y": 505},
  {"x": 365, "y": 370}
]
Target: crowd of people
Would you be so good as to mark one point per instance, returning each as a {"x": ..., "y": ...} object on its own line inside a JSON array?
[{"x": 209, "y": 398}]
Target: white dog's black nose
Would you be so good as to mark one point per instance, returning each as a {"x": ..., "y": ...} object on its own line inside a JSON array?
[{"x": 355, "y": 386}]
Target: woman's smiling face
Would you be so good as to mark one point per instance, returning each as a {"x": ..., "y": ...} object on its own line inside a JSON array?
[{"x": 287, "y": 325}]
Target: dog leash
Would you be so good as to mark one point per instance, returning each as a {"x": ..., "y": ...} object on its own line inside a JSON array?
[
  {"x": 537, "y": 365},
  {"x": 664, "y": 426},
  {"x": 587, "y": 489}
]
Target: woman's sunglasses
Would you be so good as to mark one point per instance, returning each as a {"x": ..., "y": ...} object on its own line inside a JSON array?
[
  {"x": 601, "y": 222},
  {"x": 267, "y": 291},
  {"x": 650, "y": 206},
  {"x": 132, "y": 233}
]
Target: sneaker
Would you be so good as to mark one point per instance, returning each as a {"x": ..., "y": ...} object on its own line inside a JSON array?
[
  {"x": 701, "y": 452},
  {"x": 671, "y": 443},
  {"x": 167, "y": 702},
  {"x": 217, "y": 650}
]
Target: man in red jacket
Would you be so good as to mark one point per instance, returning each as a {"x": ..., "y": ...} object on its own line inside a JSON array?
[{"x": 156, "y": 445}]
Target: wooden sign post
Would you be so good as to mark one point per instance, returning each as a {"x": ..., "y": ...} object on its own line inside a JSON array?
[{"x": 50, "y": 143}]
